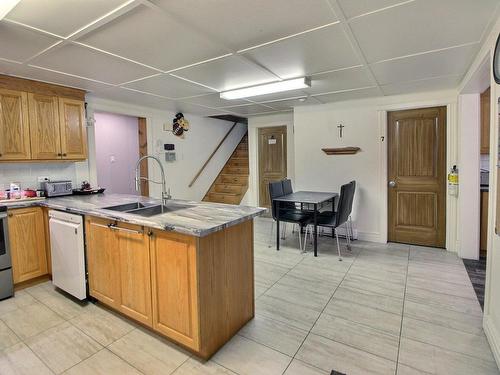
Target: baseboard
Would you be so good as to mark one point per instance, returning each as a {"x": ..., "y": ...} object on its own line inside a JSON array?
[{"x": 493, "y": 336}]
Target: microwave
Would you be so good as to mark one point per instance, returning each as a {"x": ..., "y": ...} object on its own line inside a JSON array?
[{"x": 57, "y": 188}]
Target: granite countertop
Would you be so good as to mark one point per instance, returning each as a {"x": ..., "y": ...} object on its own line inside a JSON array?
[{"x": 193, "y": 218}]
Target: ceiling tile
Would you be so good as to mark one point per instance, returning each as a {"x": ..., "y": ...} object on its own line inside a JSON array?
[
  {"x": 349, "y": 95},
  {"x": 228, "y": 73},
  {"x": 243, "y": 24},
  {"x": 214, "y": 101},
  {"x": 61, "y": 18},
  {"x": 313, "y": 52},
  {"x": 277, "y": 96},
  {"x": 153, "y": 38},
  {"x": 85, "y": 62},
  {"x": 169, "y": 86},
  {"x": 421, "y": 26},
  {"x": 18, "y": 43},
  {"x": 353, "y": 8},
  {"x": 433, "y": 84},
  {"x": 251, "y": 109},
  {"x": 448, "y": 62},
  {"x": 290, "y": 103},
  {"x": 340, "y": 80}
]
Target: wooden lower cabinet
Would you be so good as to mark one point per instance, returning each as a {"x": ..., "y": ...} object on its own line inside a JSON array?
[
  {"x": 196, "y": 291},
  {"x": 27, "y": 243}
]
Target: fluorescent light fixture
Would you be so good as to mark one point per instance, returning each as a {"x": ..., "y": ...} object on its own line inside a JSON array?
[
  {"x": 267, "y": 88},
  {"x": 6, "y": 6}
]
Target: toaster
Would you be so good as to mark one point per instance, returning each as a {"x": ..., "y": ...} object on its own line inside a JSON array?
[{"x": 57, "y": 188}]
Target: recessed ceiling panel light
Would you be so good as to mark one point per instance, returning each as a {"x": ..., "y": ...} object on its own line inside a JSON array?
[
  {"x": 267, "y": 88},
  {"x": 6, "y": 6}
]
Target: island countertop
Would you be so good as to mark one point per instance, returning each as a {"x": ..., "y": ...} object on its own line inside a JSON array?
[{"x": 194, "y": 218}]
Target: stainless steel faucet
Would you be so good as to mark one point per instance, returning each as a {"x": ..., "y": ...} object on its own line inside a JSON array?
[{"x": 165, "y": 195}]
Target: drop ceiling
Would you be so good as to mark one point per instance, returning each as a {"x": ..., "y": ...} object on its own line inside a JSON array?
[{"x": 179, "y": 55}]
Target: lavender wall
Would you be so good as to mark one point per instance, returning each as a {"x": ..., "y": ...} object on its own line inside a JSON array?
[{"x": 117, "y": 151}]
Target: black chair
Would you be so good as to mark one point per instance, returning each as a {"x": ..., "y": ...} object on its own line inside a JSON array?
[
  {"x": 286, "y": 214},
  {"x": 334, "y": 219}
]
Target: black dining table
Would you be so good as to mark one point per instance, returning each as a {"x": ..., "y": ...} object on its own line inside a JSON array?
[{"x": 316, "y": 199}]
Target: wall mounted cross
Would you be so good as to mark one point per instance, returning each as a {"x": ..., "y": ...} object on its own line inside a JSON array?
[{"x": 341, "y": 130}]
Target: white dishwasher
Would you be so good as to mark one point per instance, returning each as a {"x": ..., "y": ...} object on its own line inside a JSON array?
[{"x": 68, "y": 253}]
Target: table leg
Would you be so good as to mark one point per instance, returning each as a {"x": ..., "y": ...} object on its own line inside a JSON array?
[
  {"x": 315, "y": 230},
  {"x": 277, "y": 226}
]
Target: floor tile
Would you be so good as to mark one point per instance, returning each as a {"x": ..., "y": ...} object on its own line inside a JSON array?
[
  {"x": 276, "y": 335},
  {"x": 300, "y": 368},
  {"x": 20, "y": 360},
  {"x": 149, "y": 353},
  {"x": 385, "y": 288},
  {"x": 102, "y": 325},
  {"x": 357, "y": 335},
  {"x": 62, "y": 347},
  {"x": 103, "y": 363},
  {"x": 435, "y": 360},
  {"x": 195, "y": 366},
  {"x": 447, "y": 338},
  {"x": 267, "y": 273},
  {"x": 438, "y": 273},
  {"x": 299, "y": 296},
  {"x": 282, "y": 311},
  {"x": 377, "y": 273},
  {"x": 365, "y": 315},
  {"x": 439, "y": 286},
  {"x": 322, "y": 287},
  {"x": 246, "y": 357},
  {"x": 32, "y": 319},
  {"x": 7, "y": 336},
  {"x": 330, "y": 355},
  {"x": 407, "y": 370},
  {"x": 367, "y": 298},
  {"x": 20, "y": 299},
  {"x": 313, "y": 273}
]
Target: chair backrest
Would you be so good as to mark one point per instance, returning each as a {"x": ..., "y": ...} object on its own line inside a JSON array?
[
  {"x": 287, "y": 186},
  {"x": 353, "y": 187},
  {"x": 345, "y": 203},
  {"x": 275, "y": 191}
]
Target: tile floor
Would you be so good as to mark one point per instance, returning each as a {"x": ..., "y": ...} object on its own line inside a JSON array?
[{"x": 383, "y": 309}]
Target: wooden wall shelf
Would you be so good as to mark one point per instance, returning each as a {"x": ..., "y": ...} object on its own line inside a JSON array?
[{"x": 341, "y": 150}]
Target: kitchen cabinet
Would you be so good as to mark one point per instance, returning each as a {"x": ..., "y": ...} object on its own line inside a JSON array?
[
  {"x": 14, "y": 126},
  {"x": 118, "y": 264},
  {"x": 27, "y": 243},
  {"x": 175, "y": 309},
  {"x": 41, "y": 121},
  {"x": 483, "y": 245},
  {"x": 485, "y": 121}
]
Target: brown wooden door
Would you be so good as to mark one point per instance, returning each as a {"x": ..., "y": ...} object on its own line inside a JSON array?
[
  {"x": 27, "y": 243},
  {"x": 44, "y": 127},
  {"x": 14, "y": 127},
  {"x": 272, "y": 160},
  {"x": 417, "y": 168},
  {"x": 73, "y": 131},
  {"x": 103, "y": 262},
  {"x": 175, "y": 291}
]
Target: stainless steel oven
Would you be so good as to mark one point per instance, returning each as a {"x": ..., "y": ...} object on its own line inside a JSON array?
[{"x": 6, "y": 282}]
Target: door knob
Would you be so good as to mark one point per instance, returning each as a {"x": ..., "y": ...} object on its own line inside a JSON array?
[{"x": 392, "y": 184}]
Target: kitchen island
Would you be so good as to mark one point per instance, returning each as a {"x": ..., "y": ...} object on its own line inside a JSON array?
[{"x": 186, "y": 273}]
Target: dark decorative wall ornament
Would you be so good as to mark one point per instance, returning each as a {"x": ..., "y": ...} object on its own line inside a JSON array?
[{"x": 180, "y": 125}]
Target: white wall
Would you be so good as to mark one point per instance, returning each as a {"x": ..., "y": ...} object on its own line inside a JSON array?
[
  {"x": 192, "y": 151},
  {"x": 469, "y": 166},
  {"x": 254, "y": 123}
]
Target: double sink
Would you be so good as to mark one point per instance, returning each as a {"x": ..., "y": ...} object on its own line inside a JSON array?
[{"x": 146, "y": 210}]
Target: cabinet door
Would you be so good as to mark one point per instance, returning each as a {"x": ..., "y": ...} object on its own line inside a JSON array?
[
  {"x": 174, "y": 281},
  {"x": 102, "y": 262},
  {"x": 44, "y": 127},
  {"x": 73, "y": 131},
  {"x": 14, "y": 127},
  {"x": 135, "y": 272},
  {"x": 27, "y": 242}
]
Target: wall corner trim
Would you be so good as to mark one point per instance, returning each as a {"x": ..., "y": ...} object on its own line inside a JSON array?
[{"x": 493, "y": 336}]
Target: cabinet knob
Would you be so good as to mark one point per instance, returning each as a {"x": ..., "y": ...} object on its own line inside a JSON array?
[
  {"x": 59, "y": 154},
  {"x": 10, "y": 214},
  {"x": 1, "y": 154},
  {"x": 64, "y": 154}
]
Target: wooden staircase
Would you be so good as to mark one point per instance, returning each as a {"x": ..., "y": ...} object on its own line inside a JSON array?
[{"x": 232, "y": 182}]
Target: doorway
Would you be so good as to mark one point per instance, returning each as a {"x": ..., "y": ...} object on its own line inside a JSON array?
[
  {"x": 272, "y": 160},
  {"x": 119, "y": 142},
  {"x": 417, "y": 176}
]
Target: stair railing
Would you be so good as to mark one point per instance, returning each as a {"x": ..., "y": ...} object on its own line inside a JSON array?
[{"x": 211, "y": 155}]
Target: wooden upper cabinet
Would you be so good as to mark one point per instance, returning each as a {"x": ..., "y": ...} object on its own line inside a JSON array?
[
  {"x": 175, "y": 291},
  {"x": 72, "y": 127},
  {"x": 27, "y": 243},
  {"x": 44, "y": 127},
  {"x": 485, "y": 121},
  {"x": 14, "y": 127}
]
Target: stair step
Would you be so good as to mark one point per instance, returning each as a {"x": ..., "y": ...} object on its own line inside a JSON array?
[
  {"x": 241, "y": 153},
  {"x": 224, "y": 198},
  {"x": 238, "y": 162},
  {"x": 233, "y": 179},
  {"x": 229, "y": 188},
  {"x": 236, "y": 170}
]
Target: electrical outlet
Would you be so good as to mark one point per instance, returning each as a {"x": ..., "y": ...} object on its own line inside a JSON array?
[{"x": 43, "y": 179}]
